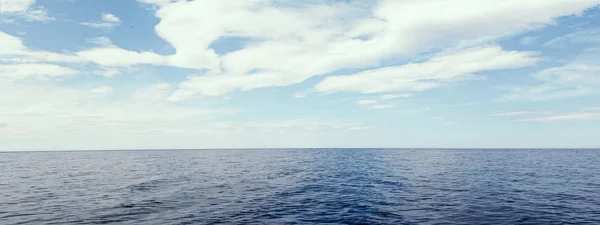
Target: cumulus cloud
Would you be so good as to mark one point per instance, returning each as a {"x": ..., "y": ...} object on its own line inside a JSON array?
[
  {"x": 108, "y": 21},
  {"x": 24, "y": 9},
  {"x": 110, "y": 18},
  {"x": 16, "y": 5},
  {"x": 339, "y": 35},
  {"x": 10, "y": 44}
]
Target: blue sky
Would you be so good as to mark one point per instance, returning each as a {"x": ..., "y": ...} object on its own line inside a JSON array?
[{"x": 155, "y": 74}]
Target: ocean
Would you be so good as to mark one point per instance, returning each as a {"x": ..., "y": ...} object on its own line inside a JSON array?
[{"x": 302, "y": 186}]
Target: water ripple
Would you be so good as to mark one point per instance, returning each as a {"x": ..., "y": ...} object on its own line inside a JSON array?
[{"x": 311, "y": 186}]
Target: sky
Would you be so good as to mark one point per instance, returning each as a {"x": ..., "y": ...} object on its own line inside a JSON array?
[{"x": 176, "y": 74}]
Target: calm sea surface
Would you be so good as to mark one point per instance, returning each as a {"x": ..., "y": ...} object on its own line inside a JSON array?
[{"x": 328, "y": 186}]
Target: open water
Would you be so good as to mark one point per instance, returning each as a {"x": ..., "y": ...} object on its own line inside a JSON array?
[{"x": 302, "y": 186}]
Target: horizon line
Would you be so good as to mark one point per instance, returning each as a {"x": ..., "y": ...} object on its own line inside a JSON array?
[{"x": 328, "y": 148}]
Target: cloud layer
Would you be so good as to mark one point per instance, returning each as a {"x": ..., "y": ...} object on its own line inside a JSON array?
[
  {"x": 430, "y": 74},
  {"x": 330, "y": 37},
  {"x": 388, "y": 59}
]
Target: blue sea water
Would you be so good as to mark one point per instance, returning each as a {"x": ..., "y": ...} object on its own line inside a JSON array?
[{"x": 301, "y": 186}]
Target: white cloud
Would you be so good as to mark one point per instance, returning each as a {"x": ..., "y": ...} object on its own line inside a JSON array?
[
  {"x": 543, "y": 92},
  {"x": 162, "y": 86},
  {"x": 10, "y": 44},
  {"x": 382, "y": 107},
  {"x": 593, "y": 109},
  {"x": 109, "y": 72},
  {"x": 19, "y": 71},
  {"x": 12, "y": 49},
  {"x": 16, "y": 5},
  {"x": 40, "y": 116},
  {"x": 340, "y": 35},
  {"x": 464, "y": 104},
  {"x": 101, "y": 25},
  {"x": 366, "y": 102},
  {"x": 577, "y": 78},
  {"x": 579, "y": 116},
  {"x": 39, "y": 14},
  {"x": 513, "y": 113},
  {"x": 576, "y": 72},
  {"x": 107, "y": 17},
  {"x": 108, "y": 21},
  {"x": 589, "y": 36},
  {"x": 157, "y": 2},
  {"x": 100, "y": 41},
  {"x": 395, "y": 96},
  {"x": 548, "y": 116},
  {"x": 44, "y": 112},
  {"x": 49, "y": 101},
  {"x": 430, "y": 74},
  {"x": 376, "y": 104},
  {"x": 21, "y": 62},
  {"x": 23, "y": 9},
  {"x": 300, "y": 95},
  {"x": 107, "y": 56},
  {"x": 155, "y": 94},
  {"x": 102, "y": 90},
  {"x": 289, "y": 42}
]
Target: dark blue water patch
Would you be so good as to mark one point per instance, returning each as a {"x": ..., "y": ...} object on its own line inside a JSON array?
[{"x": 301, "y": 186}]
